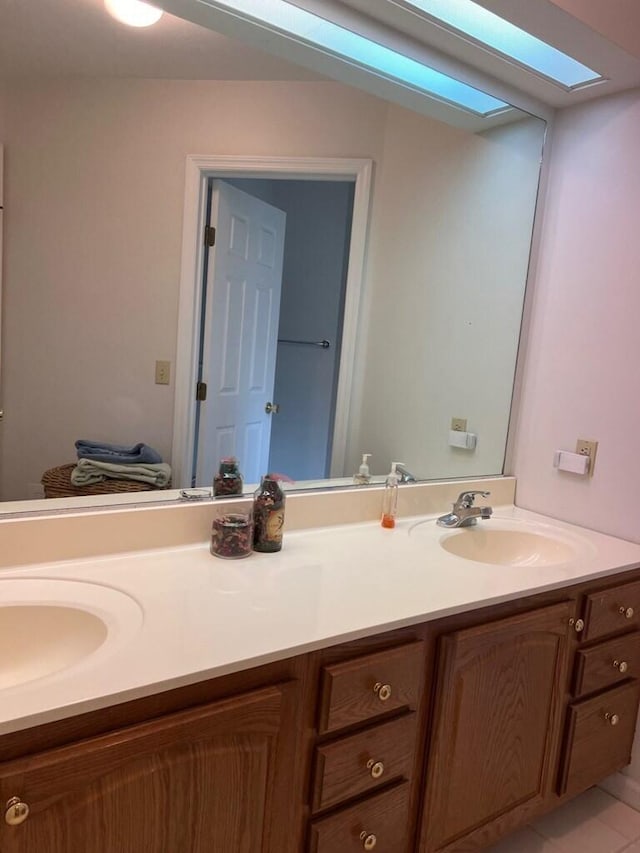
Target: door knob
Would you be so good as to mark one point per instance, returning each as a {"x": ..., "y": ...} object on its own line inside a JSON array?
[{"x": 272, "y": 408}]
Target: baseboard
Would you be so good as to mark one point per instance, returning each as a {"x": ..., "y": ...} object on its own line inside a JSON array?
[{"x": 623, "y": 788}]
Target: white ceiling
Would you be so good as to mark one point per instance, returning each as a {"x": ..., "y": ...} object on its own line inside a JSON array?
[
  {"x": 78, "y": 37},
  {"x": 618, "y": 21}
]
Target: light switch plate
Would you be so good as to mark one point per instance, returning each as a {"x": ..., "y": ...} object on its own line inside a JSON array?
[{"x": 163, "y": 372}]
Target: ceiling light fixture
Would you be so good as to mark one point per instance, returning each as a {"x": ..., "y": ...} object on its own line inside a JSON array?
[
  {"x": 135, "y": 13},
  {"x": 357, "y": 50},
  {"x": 503, "y": 37}
]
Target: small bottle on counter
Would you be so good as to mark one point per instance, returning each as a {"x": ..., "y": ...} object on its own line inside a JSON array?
[
  {"x": 390, "y": 497},
  {"x": 232, "y": 535},
  {"x": 228, "y": 481},
  {"x": 268, "y": 515},
  {"x": 363, "y": 477}
]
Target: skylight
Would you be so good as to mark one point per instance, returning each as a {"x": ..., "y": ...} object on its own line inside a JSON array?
[
  {"x": 360, "y": 51},
  {"x": 503, "y": 37}
]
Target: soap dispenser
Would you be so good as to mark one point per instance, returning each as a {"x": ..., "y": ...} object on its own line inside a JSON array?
[
  {"x": 390, "y": 497},
  {"x": 364, "y": 475}
]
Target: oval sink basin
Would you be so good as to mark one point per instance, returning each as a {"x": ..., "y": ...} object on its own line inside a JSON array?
[
  {"x": 49, "y": 626},
  {"x": 506, "y": 541},
  {"x": 38, "y": 640},
  {"x": 508, "y": 547}
]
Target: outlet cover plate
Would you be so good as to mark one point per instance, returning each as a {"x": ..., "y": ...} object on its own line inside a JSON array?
[
  {"x": 459, "y": 424},
  {"x": 585, "y": 447}
]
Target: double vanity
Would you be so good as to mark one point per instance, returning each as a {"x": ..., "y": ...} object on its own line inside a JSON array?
[{"x": 416, "y": 689}]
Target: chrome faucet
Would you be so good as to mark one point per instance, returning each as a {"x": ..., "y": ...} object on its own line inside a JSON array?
[
  {"x": 464, "y": 513},
  {"x": 405, "y": 476}
]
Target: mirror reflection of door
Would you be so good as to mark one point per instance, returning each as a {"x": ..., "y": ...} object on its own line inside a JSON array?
[
  {"x": 240, "y": 333},
  {"x": 241, "y": 352}
]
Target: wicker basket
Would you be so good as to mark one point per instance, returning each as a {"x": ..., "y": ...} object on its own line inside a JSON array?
[{"x": 57, "y": 484}]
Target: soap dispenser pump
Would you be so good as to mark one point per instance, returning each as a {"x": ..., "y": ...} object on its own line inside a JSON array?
[
  {"x": 390, "y": 497},
  {"x": 364, "y": 475}
]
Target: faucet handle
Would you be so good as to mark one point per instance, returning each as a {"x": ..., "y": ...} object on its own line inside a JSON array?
[{"x": 466, "y": 499}]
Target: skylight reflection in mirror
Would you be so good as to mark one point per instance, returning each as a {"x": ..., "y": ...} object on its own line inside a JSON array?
[
  {"x": 506, "y": 38},
  {"x": 361, "y": 51}
]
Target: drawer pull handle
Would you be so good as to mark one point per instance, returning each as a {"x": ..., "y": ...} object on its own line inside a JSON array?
[
  {"x": 382, "y": 691},
  {"x": 368, "y": 839},
  {"x": 621, "y": 665},
  {"x": 612, "y": 719},
  {"x": 16, "y": 812},
  {"x": 577, "y": 625},
  {"x": 376, "y": 768},
  {"x": 627, "y": 612}
]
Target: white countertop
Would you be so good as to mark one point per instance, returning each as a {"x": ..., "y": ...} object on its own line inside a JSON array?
[{"x": 198, "y": 617}]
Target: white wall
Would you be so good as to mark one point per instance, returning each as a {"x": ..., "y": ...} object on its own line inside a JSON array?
[
  {"x": 449, "y": 251},
  {"x": 582, "y": 377}
]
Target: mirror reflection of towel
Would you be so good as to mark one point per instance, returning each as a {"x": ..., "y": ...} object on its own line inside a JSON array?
[
  {"x": 118, "y": 454},
  {"x": 87, "y": 472}
]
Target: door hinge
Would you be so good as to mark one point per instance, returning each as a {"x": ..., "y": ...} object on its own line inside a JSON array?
[
  {"x": 209, "y": 236},
  {"x": 201, "y": 391}
]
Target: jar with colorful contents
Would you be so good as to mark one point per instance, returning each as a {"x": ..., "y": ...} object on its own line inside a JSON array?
[
  {"x": 232, "y": 535},
  {"x": 228, "y": 481},
  {"x": 268, "y": 514}
]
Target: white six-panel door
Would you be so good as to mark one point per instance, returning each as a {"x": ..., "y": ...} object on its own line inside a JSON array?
[{"x": 244, "y": 283}]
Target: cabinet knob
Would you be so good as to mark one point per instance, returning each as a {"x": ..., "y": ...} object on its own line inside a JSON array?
[
  {"x": 16, "y": 812},
  {"x": 376, "y": 768},
  {"x": 621, "y": 665},
  {"x": 368, "y": 839},
  {"x": 383, "y": 691},
  {"x": 612, "y": 719},
  {"x": 577, "y": 625},
  {"x": 627, "y": 612}
]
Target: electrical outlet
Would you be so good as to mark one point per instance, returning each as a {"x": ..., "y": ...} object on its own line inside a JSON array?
[
  {"x": 163, "y": 372},
  {"x": 588, "y": 448},
  {"x": 459, "y": 424}
]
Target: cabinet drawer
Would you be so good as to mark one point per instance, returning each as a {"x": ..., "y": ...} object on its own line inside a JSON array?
[
  {"x": 599, "y": 737},
  {"x": 359, "y": 763},
  {"x": 361, "y": 689},
  {"x": 612, "y": 610},
  {"x": 607, "y": 663},
  {"x": 380, "y": 822}
]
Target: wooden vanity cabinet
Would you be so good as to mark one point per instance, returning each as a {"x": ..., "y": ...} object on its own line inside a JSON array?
[
  {"x": 198, "y": 781},
  {"x": 601, "y": 716},
  {"x": 369, "y": 747},
  {"x": 498, "y": 710},
  {"x": 437, "y": 738}
]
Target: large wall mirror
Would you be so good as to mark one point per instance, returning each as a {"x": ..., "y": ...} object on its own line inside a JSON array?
[{"x": 97, "y": 123}]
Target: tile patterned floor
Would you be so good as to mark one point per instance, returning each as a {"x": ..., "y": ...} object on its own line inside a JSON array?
[{"x": 595, "y": 822}]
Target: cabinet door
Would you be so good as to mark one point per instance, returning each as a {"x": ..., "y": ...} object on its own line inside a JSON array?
[
  {"x": 497, "y": 719},
  {"x": 199, "y": 781}
]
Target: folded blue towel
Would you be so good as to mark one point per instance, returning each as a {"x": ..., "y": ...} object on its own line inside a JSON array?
[{"x": 117, "y": 454}]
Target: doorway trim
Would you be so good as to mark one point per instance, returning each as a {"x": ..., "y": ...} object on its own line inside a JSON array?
[{"x": 198, "y": 171}]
